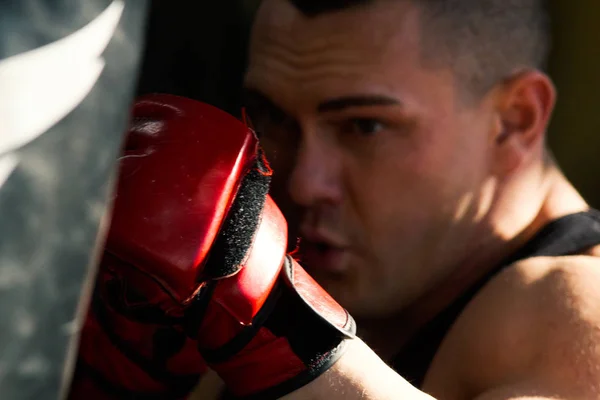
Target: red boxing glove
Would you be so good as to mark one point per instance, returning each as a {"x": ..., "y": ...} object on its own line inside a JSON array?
[{"x": 197, "y": 247}]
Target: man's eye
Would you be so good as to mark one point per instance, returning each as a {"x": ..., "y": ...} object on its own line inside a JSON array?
[{"x": 365, "y": 126}]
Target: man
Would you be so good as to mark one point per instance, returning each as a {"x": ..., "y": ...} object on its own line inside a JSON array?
[{"x": 408, "y": 149}]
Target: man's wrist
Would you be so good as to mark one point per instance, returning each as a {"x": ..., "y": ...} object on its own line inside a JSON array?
[
  {"x": 348, "y": 380},
  {"x": 297, "y": 336}
]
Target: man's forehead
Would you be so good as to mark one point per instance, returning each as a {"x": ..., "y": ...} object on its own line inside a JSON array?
[
  {"x": 373, "y": 24},
  {"x": 359, "y": 48}
]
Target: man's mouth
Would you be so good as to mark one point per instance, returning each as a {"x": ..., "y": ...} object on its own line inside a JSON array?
[{"x": 321, "y": 256}]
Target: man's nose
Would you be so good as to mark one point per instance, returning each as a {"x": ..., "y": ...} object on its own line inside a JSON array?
[{"x": 315, "y": 177}]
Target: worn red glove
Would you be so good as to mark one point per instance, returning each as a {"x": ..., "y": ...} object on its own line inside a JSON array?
[{"x": 197, "y": 247}]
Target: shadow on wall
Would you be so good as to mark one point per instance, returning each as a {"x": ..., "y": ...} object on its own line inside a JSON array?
[{"x": 575, "y": 66}]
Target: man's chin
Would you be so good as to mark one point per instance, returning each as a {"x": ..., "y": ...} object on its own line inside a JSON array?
[
  {"x": 362, "y": 304},
  {"x": 338, "y": 286},
  {"x": 330, "y": 281},
  {"x": 344, "y": 288}
]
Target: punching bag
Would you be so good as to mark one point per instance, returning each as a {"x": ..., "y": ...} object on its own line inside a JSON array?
[{"x": 68, "y": 70}]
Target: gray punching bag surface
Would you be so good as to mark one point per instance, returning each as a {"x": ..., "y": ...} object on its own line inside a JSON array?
[{"x": 68, "y": 70}]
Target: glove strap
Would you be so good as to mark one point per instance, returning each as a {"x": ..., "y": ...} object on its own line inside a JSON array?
[{"x": 296, "y": 337}]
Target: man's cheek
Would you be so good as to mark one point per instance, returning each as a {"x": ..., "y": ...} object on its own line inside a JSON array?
[{"x": 291, "y": 212}]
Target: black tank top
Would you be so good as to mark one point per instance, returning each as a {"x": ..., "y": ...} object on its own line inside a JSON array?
[{"x": 569, "y": 235}]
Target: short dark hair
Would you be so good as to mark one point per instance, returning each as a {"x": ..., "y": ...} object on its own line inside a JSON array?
[
  {"x": 312, "y": 8},
  {"x": 485, "y": 41}
]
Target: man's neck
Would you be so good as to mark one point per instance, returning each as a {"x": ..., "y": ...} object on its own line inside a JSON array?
[{"x": 388, "y": 336}]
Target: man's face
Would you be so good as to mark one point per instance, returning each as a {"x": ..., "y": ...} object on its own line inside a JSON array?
[{"x": 377, "y": 163}]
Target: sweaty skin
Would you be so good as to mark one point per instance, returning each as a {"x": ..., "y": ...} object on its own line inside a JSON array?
[{"x": 405, "y": 192}]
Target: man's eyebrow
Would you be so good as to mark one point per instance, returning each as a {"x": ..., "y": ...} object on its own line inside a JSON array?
[{"x": 341, "y": 103}]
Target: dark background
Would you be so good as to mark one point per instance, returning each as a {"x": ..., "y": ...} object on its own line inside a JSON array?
[{"x": 198, "y": 49}]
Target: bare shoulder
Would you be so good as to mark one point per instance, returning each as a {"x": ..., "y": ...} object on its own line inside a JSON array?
[
  {"x": 544, "y": 289},
  {"x": 539, "y": 317},
  {"x": 544, "y": 285}
]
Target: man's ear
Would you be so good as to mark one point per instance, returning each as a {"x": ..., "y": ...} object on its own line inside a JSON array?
[{"x": 524, "y": 107}]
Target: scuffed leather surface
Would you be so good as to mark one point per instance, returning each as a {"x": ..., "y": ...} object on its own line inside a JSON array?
[{"x": 182, "y": 164}]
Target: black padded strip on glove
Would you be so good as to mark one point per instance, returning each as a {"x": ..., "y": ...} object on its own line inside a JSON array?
[{"x": 236, "y": 234}]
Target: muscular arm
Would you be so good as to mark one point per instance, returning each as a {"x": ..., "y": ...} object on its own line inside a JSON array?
[
  {"x": 359, "y": 374},
  {"x": 532, "y": 334}
]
